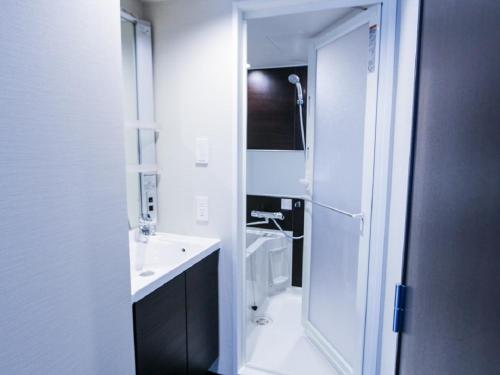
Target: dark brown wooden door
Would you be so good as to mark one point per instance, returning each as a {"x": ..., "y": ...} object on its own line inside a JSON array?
[{"x": 452, "y": 325}]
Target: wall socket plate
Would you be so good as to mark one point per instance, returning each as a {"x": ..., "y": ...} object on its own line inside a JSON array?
[{"x": 202, "y": 209}]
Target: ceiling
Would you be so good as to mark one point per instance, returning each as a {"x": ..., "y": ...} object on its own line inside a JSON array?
[{"x": 283, "y": 40}]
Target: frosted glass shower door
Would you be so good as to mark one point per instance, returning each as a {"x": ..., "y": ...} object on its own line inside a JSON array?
[{"x": 341, "y": 170}]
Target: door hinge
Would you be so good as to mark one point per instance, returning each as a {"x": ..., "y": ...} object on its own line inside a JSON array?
[{"x": 399, "y": 308}]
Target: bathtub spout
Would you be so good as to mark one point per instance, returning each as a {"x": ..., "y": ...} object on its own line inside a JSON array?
[{"x": 266, "y": 221}]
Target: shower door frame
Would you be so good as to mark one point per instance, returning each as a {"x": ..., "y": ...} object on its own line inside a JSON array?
[{"x": 391, "y": 173}]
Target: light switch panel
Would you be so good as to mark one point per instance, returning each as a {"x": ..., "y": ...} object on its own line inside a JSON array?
[
  {"x": 202, "y": 151},
  {"x": 202, "y": 209},
  {"x": 149, "y": 196}
]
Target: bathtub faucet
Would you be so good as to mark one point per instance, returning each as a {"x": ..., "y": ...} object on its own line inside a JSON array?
[
  {"x": 266, "y": 216},
  {"x": 273, "y": 216}
]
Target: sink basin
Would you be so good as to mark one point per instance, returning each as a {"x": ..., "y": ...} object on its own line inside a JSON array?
[
  {"x": 162, "y": 258},
  {"x": 160, "y": 252}
]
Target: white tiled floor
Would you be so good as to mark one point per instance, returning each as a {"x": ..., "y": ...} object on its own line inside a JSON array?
[{"x": 281, "y": 347}]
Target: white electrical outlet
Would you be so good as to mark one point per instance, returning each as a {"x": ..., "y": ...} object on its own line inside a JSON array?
[{"x": 202, "y": 209}]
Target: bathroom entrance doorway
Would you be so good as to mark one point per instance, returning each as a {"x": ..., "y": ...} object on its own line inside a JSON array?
[{"x": 338, "y": 160}]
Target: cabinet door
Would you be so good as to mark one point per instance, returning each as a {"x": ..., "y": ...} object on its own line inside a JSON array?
[
  {"x": 202, "y": 303},
  {"x": 160, "y": 330}
]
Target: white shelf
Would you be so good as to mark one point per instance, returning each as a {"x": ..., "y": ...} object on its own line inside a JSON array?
[{"x": 143, "y": 168}]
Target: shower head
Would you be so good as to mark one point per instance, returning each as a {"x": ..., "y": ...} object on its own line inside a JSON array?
[{"x": 294, "y": 79}]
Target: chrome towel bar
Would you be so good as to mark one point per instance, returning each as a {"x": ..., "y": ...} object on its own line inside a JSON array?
[{"x": 337, "y": 210}]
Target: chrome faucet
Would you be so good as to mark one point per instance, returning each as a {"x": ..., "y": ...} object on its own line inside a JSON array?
[{"x": 146, "y": 229}]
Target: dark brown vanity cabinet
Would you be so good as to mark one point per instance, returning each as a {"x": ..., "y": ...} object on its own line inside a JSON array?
[
  {"x": 202, "y": 315},
  {"x": 176, "y": 328},
  {"x": 160, "y": 330}
]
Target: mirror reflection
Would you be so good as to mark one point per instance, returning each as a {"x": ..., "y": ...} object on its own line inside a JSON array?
[{"x": 131, "y": 114}]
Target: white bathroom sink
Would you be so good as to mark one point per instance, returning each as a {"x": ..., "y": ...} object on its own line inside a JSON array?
[{"x": 164, "y": 257}]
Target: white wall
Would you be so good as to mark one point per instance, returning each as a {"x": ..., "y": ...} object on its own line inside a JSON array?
[
  {"x": 195, "y": 91},
  {"x": 64, "y": 280},
  {"x": 275, "y": 172},
  {"x": 133, "y": 6}
]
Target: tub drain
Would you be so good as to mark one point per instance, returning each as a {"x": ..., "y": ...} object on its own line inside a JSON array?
[{"x": 262, "y": 320}]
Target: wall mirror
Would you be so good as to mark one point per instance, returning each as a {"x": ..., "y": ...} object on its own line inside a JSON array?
[{"x": 140, "y": 129}]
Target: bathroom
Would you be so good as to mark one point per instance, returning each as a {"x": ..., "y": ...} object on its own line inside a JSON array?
[
  {"x": 278, "y": 280},
  {"x": 217, "y": 137},
  {"x": 273, "y": 187}
]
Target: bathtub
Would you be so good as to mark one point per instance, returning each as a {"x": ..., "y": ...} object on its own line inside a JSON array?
[{"x": 268, "y": 256}]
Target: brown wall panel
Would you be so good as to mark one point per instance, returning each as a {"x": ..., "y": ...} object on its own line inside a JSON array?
[{"x": 273, "y": 114}]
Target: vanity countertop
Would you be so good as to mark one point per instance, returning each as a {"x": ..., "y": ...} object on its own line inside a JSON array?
[{"x": 164, "y": 257}]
